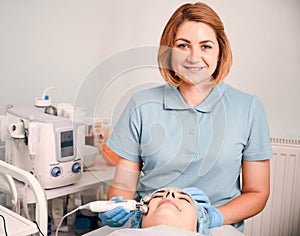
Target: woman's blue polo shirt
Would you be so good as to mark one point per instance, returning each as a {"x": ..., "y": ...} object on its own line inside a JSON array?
[{"x": 182, "y": 146}]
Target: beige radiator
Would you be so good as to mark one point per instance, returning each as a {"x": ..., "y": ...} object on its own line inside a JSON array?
[{"x": 281, "y": 216}]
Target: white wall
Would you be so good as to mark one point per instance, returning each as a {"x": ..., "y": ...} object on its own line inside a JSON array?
[{"x": 62, "y": 42}]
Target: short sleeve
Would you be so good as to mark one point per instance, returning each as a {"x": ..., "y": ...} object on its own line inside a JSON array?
[
  {"x": 125, "y": 137},
  {"x": 258, "y": 145}
]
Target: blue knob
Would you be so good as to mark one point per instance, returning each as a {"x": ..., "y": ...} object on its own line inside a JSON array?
[
  {"x": 56, "y": 171},
  {"x": 76, "y": 168}
]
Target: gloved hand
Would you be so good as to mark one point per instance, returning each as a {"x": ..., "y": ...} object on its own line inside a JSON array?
[
  {"x": 116, "y": 217},
  {"x": 215, "y": 216}
]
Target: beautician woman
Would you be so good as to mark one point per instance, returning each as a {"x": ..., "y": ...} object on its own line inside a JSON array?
[{"x": 194, "y": 131}]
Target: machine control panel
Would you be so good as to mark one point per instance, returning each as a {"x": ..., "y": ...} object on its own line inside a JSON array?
[
  {"x": 56, "y": 171},
  {"x": 76, "y": 168}
]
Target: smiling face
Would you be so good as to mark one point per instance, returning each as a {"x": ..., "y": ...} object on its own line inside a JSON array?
[
  {"x": 195, "y": 53},
  {"x": 171, "y": 207}
]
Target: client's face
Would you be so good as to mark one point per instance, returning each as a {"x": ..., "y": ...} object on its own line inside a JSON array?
[{"x": 173, "y": 208}]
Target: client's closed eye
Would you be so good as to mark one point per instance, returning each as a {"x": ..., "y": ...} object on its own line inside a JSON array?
[
  {"x": 185, "y": 199},
  {"x": 158, "y": 196}
]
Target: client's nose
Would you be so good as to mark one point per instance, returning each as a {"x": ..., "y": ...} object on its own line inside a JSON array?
[{"x": 170, "y": 193}]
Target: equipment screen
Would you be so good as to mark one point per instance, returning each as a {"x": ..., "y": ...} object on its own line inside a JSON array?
[{"x": 66, "y": 143}]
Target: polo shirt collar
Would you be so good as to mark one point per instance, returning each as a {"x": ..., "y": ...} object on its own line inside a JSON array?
[{"x": 174, "y": 101}]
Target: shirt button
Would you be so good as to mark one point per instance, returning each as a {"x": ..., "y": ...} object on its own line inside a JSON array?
[{"x": 191, "y": 132}]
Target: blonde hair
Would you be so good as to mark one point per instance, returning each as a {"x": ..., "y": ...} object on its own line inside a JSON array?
[{"x": 198, "y": 12}]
